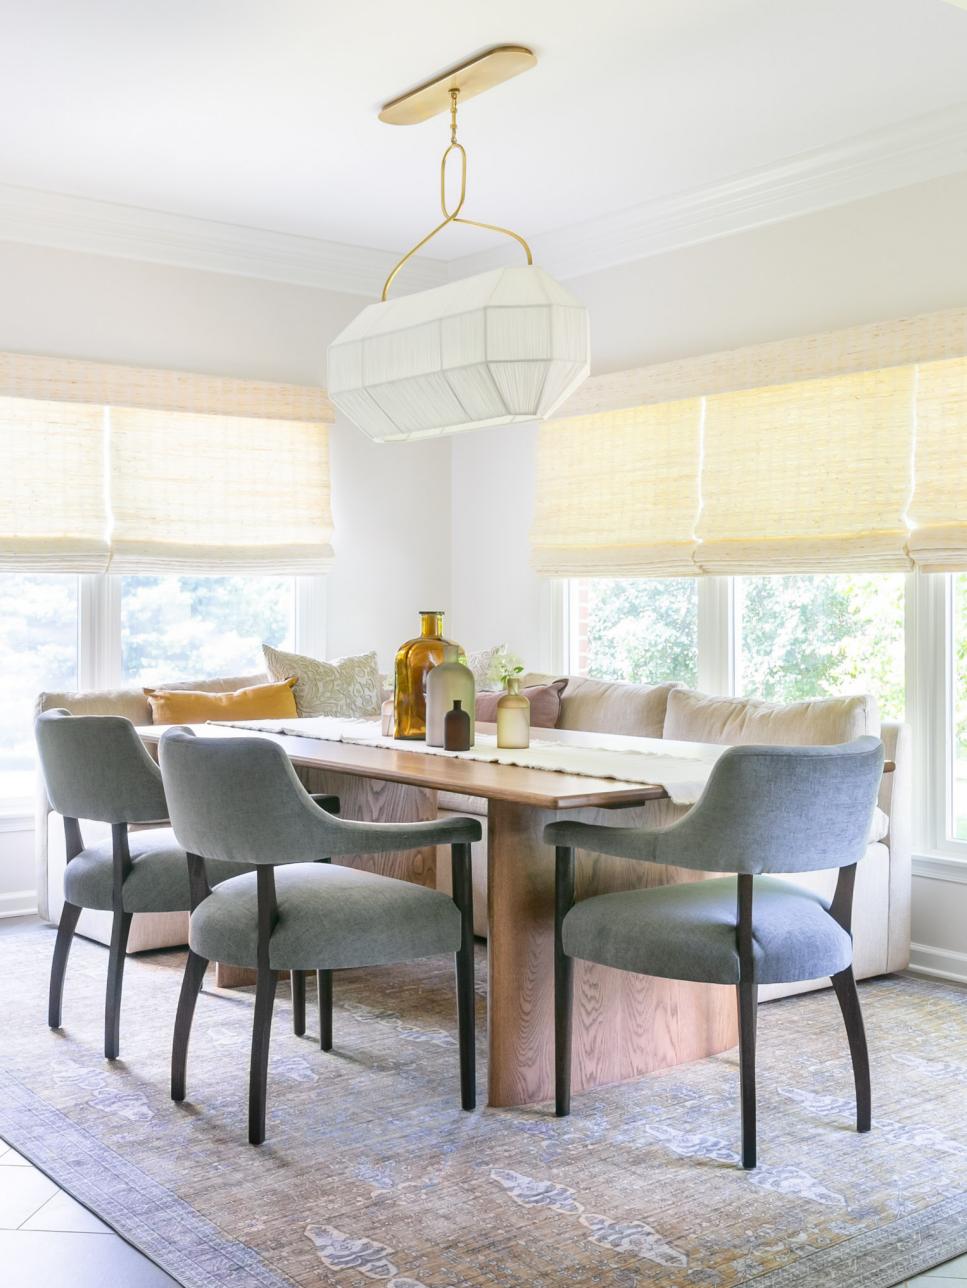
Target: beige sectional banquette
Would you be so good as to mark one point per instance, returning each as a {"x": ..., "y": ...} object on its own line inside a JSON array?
[
  {"x": 882, "y": 902},
  {"x": 881, "y": 908}
]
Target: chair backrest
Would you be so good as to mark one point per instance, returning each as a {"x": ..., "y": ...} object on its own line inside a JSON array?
[
  {"x": 239, "y": 799},
  {"x": 97, "y": 767},
  {"x": 780, "y": 809}
]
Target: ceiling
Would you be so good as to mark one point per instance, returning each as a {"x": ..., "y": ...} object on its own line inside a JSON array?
[{"x": 263, "y": 114}]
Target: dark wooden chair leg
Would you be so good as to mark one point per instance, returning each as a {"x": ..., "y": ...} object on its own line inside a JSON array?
[
  {"x": 563, "y": 983},
  {"x": 58, "y": 967},
  {"x": 849, "y": 1003},
  {"x": 259, "y": 1069},
  {"x": 748, "y": 1001},
  {"x": 191, "y": 983},
  {"x": 265, "y": 981},
  {"x": 463, "y": 896},
  {"x": 115, "y": 978},
  {"x": 324, "y": 986},
  {"x": 298, "y": 982}
]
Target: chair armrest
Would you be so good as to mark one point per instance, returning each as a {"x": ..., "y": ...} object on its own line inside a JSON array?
[
  {"x": 379, "y": 838},
  {"x": 329, "y": 803},
  {"x": 624, "y": 842}
]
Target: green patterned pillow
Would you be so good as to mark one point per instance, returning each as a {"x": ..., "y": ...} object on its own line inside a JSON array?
[{"x": 346, "y": 686}]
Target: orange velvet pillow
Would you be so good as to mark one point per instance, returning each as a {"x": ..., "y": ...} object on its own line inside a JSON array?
[{"x": 194, "y": 706}]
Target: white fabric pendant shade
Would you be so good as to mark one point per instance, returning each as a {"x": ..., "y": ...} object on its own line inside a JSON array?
[{"x": 505, "y": 346}]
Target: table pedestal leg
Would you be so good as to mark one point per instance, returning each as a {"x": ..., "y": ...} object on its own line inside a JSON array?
[{"x": 624, "y": 1025}]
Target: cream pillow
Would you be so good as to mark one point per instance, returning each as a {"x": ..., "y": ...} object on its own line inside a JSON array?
[
  {"x": 696, "y": 717},
  {"x": 346, "y": 686}
]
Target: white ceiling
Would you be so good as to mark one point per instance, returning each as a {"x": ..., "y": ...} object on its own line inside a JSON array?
[{"x": 262, "y": 113}]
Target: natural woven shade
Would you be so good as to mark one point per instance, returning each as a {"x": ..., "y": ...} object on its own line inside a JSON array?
[
  {"x": 835, "y": 452},
  {"x": 53, "y": 510},
  {"x": 195, "y": 493},
  {"x": 618, "y": 493},
  {"x": 137, "y": 469},
  {"x": 28, "y": 375},
  {"x": 939, "y": 506},
  {"x": 808, "y": 476}
]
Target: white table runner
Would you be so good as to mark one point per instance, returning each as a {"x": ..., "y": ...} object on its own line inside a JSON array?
[{"x": 681, "y": 768}]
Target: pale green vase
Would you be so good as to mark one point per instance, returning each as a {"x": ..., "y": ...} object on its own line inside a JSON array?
[{"x": 446, "y": 683}]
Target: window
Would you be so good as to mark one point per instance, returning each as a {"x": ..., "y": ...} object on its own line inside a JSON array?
[
  {"x": 812, "y": 636},
  {"x": 38, "y": 650},
  {"x": 634, "y": 629},
  {"x": 185, "y": 628},
  {"x": 63, "y": 632}
]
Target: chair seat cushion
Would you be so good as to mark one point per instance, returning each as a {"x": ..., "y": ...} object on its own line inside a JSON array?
[
  {"x": 157, "y": 882},
  {"x": 330, "y": 918},
  {"x": 688, "y": 931}
]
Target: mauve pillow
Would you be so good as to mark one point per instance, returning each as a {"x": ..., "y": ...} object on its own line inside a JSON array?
[{"x": 545, "y": 700}]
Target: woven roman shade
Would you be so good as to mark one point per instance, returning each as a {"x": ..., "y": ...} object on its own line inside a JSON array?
[
  {"x": 53, "y": 509},
  {"x": 618, "y": 493},
  {"x": 825, "y": 453},
  {"x": 808, "y": 476},
  {"x": 137, "y": 469},
  {"x": 208, "y": 494},
  {"x": 938, "y": 510},
  {"x": 30, "y": 375}
]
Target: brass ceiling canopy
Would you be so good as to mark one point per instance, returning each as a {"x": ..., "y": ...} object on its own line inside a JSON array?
[{"x": 470, "y": 79}]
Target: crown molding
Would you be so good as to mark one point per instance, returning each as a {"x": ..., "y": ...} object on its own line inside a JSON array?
[
  {"x": 896, "y": 156},
  {"x": 129, "y": 232}
]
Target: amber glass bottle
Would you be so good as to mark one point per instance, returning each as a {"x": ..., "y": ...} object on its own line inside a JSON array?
[{"x": 413, "y": 661}]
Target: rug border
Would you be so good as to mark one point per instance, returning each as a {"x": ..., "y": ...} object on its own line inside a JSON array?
[
  {"x": 25, "y": 1123},
  {"x": 847, "y": 1257}
]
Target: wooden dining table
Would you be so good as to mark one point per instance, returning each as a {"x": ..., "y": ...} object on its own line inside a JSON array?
[{"x": 625, "y": 1025}]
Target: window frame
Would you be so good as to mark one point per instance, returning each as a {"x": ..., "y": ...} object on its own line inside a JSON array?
[
  {"x": 99, "y": 646},
  {"x": 929, "y": 661}
]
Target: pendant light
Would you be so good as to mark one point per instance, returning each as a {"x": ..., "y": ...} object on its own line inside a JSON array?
[{"x": 497, "y": 348}]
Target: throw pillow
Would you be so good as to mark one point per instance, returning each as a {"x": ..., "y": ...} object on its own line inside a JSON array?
[
  {"x": 545, "y": 700},
  {"x": 697, "y": 717},
  {"x": 346, "y": 686},
  {"x": 193, "y": 706}
]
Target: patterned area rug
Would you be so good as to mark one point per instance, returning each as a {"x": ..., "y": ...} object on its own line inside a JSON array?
[{"x": 372, "y": 1175}]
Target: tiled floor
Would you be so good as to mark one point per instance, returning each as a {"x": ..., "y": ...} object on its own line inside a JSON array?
[
  {"x": 48, "y": 1238},
  {"x": 953, "y": 1273}
]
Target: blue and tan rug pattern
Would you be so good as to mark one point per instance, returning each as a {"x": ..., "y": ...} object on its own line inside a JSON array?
[{"x": 372, "y": 1177}]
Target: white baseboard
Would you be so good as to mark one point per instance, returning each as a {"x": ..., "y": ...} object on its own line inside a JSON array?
[
  {"x": 18, "y": 903},
  {"x": 944, "y": 963}
]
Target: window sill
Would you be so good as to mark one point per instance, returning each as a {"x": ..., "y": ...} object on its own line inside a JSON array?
[{"x": 941, "y": 867}]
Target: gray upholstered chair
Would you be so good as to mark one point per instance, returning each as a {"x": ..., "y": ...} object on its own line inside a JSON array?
[
  {"x": 764, "y": 810},
  {"x": 97, "y": 768},
  {"x": 239, "y": 801}
]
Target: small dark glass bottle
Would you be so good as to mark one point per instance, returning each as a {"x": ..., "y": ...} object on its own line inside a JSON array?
[{"x": 456, "y": 728}]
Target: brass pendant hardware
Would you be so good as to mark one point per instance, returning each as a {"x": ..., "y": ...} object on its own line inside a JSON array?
[
  {"x": 453, "y": 216},
  {"x": 470, "y": 78}
]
